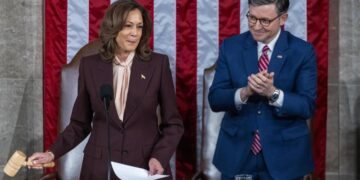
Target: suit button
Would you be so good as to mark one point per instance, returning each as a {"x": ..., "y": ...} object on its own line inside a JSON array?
[
  {"x": 125, "y": 152},
  {"x": 259, "y": 112}
]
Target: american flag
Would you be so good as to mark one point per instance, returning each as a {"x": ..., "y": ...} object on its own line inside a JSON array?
[{"x": 189, "y": 32}]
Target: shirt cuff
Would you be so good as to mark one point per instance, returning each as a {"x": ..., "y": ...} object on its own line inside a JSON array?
[
  {"x": 51, "y": 154},
  {"x": 238, "y": 101},
  {"x": 279, "y": 102}
]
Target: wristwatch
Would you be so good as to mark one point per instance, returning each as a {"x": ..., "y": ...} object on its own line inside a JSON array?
[{"x": 275, "y": 96}]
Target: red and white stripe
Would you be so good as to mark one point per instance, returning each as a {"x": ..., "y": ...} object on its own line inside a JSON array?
[
  {"x": 189, "y": 32},
  {"x": 256, "y": 145},
  {"x": 264, "y": 59}
]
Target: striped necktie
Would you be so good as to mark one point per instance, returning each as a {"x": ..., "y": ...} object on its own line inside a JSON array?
[
  {"x": 263, "y": 65},
  {"x": 264, "y": 59}
]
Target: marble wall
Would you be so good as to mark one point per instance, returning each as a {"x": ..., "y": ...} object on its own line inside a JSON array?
[
  {"x": 20, "y": 80},
  {"x": 21, "y": 42},
  {"x": 343, "y": 133}
]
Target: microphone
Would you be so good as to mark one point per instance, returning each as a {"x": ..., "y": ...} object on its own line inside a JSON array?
[{"x": 106, "y": 94}]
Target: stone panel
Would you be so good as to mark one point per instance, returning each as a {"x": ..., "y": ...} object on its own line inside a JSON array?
[
  {"x": 332, "y": 135},
  {"x": 349, "y": 129},
  {"x": 21, "y": 39},
  {"x": 349, "y": 25},
  {"x": 333, "y": 73},
  {"x": 349, "y": 94},
  {"x": 21, "y": 119},
  {"x": 332, "y": 154}
]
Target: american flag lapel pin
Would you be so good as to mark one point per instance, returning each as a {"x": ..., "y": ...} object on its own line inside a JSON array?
[
  {"x": 279, "y": 56},
  {"x": 143, "y": 76}
]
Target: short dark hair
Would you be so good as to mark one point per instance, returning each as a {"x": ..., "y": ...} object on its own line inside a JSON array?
[
  {"x": 114, "y": 21},
  {"x": 282, "y": 6}
]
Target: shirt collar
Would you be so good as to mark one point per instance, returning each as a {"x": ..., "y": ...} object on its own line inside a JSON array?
[{"x": 271, "y": 45}]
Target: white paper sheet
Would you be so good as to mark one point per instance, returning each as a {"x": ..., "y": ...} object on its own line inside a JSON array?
[{"x": 126, "y": 172}]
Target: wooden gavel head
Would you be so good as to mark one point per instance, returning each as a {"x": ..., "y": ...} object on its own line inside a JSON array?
[
  {"x": 14, "y": 164},
  {"x": 16, "y": 161}
]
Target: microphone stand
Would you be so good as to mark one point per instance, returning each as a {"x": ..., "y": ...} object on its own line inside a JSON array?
[{"x": 108, "y": 137}]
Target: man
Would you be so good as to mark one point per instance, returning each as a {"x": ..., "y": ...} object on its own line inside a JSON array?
[{"x": 265, "y": 81}]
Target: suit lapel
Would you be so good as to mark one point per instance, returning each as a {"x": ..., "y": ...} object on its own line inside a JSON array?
[
  {"x": 250, "y": 56},
  {"x": 104, "y": 75},
  {"x": 141, "y": 73},
  {"x": 279, "y": 54}
]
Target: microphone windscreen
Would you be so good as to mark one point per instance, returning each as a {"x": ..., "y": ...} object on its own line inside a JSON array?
[{"x": 106, "y": 92}]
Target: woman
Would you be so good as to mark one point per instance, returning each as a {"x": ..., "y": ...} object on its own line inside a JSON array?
[{"x": 141, "y": 81}]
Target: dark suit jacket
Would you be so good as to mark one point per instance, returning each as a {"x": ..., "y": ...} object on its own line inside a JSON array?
[
  {"x": 284, "y": 132},
  {"x": 139, "y": 136}
]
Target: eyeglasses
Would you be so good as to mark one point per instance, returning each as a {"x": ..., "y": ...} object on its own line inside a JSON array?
[{"x": 264, "y": 22}]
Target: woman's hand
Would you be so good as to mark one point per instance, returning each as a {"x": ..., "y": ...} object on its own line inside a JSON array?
[
  {"x": 39, "y": 158},
  {"x": 155, "y": 167}
]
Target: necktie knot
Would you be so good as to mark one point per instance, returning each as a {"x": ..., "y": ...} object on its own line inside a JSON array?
[{"x": 265, "y": 49}]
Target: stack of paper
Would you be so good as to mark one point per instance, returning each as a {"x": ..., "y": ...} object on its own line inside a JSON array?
[{"x": 126, "y": 172}]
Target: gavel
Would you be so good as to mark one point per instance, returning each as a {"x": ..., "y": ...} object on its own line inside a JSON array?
[{"x": 17, "y": 160}]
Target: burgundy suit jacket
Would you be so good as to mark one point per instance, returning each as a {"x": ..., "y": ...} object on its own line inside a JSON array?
[{"x": 141, "y": 135}]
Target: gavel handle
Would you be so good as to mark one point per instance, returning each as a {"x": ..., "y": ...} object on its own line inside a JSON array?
[{"x": 46, "y": 165}]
